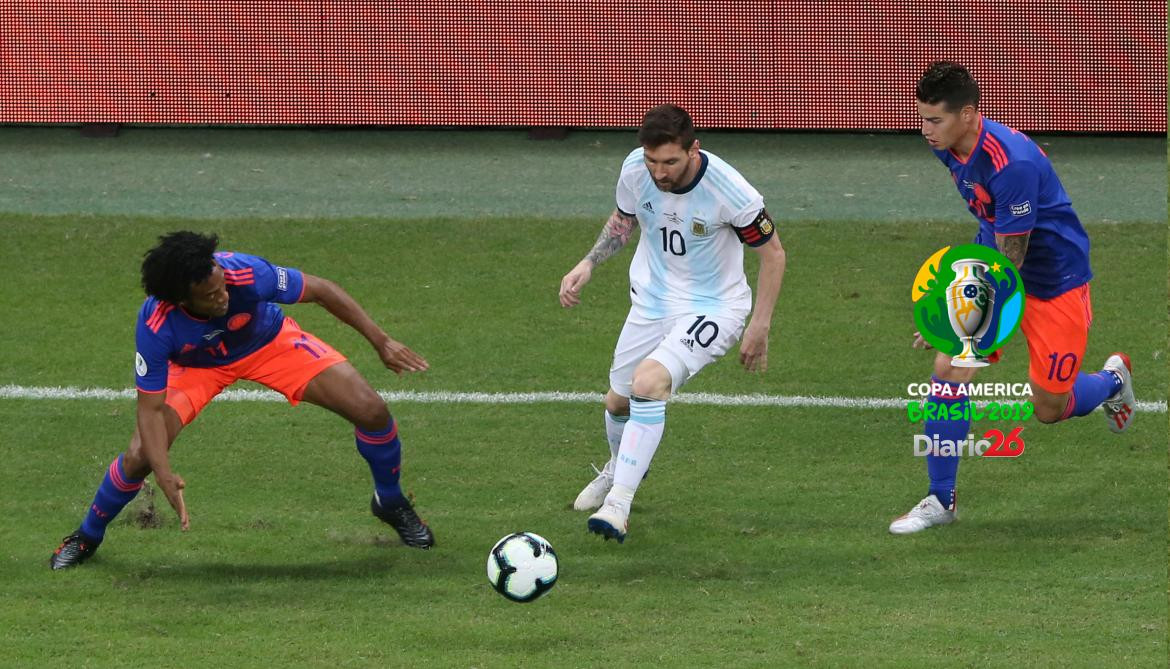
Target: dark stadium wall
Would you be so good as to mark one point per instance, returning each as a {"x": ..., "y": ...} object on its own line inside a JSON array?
[{"x": 1062, "y": 65}]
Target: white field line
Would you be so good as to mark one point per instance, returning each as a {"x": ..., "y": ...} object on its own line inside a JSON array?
[{"x": 13, "y": 392}]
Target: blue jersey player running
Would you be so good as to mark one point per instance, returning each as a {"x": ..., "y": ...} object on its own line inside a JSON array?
[
  {"x": 210, "y": 319},
  {"x": 690, "y": 298},
  {"x": 1023, "y": 211}
]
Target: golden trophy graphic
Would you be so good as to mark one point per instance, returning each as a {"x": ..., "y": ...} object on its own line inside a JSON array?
[{"x": 970, "y": 307}]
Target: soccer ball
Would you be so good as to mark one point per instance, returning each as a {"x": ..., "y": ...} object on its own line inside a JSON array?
[{"x": 522, "y": 566}]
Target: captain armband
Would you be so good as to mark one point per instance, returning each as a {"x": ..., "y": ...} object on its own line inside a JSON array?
[{"x": 758, "y": 232}]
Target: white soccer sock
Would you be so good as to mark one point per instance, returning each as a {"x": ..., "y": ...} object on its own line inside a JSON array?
[
  {"x": 614, "y": 427},
  {"x": 639, "y": 441}
]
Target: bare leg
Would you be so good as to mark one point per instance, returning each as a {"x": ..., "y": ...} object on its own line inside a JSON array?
[
  {"x": 344, "y": 391},
  {"x": 1049, "y": 406}
]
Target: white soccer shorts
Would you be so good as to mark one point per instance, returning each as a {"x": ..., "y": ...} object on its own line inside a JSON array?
[{"x": 683, "y": 344}]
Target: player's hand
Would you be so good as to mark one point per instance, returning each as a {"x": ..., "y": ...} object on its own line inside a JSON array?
[
  {"x": 398, "y": 358},
  {"x": 921, "y": 343},
  {"x": 574, "y": 281},
  {"x": 172, "y": 486},
  {"x": 753, "y": 350}
]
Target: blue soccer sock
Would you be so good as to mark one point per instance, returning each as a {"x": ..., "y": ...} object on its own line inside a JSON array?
[
  {"x": 1089, "y": 391},
  {"x": 943, "y": 469},
  {"x": 112, "y": 496},
  {"x": 384, "y": 453}
]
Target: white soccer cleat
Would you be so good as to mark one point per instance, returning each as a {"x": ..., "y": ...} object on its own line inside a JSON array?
[
  {"x": 611, "y": 521},
  {"x": 928, "y": 513},
  {"x": 1120, "y": 407},
  {"x": 594, "y": 494}
]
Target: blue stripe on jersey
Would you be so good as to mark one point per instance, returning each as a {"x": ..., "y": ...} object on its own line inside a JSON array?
[
  {"x": 654, "y": 306},
  {"x": 705, "y": 267},
  {"x": 634, "y": 158},
  {"x": 735, "y": 196}
]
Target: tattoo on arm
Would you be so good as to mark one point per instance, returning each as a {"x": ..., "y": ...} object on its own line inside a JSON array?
[
  {"x": 613, "y": 237},
  {"x": 1014, "y": 247}
]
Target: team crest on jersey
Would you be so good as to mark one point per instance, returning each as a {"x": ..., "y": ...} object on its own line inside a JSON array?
[
  {"x": 699, "y": 227},
  {"x": 238, "y": 321},
  {"x": 981, "y": 193}
]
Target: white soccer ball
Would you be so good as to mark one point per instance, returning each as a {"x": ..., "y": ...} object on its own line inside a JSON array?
[{"x": 522, "y": 566}]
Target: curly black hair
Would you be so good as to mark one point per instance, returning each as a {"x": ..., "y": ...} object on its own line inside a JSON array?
[
  {"x": 949, "y": 83},
  {"x": 664, "y": 124},
  {"x": 181, "y": 260}
]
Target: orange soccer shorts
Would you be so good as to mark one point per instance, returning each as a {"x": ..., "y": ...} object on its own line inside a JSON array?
[
  {"x": 1057, "y": 331},
  {"x": 286, "y": 364}
]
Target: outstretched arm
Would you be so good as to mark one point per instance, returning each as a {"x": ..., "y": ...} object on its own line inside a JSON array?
[
  {"x": 395, "y": 355},
  {"x": 152, "y": 431},
  {"x": 613, "y": 237},
  {"x": 753, "y": 351}
]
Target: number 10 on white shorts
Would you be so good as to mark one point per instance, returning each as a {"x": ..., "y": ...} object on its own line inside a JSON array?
[{"x": 683, "y": 345}]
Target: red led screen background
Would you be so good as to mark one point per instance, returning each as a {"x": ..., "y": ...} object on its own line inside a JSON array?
[{"x": 1059, "y": 65}]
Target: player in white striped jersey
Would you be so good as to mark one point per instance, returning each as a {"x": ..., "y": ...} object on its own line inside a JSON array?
[{"x": 690, "y": 298}]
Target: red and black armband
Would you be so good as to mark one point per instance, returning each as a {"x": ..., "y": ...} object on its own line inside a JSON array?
[{"x": 758, "y": 232}]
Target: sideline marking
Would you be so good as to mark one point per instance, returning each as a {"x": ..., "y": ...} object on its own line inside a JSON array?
[{"x": 12, "y": 392}]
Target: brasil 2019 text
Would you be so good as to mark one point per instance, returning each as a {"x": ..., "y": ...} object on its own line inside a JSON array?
[{"x": 919, "y": 412}]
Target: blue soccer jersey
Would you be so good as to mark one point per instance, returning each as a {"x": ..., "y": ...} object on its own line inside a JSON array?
[
  {"x": 167, "y": 333},
  {"x": 1010, "y": 186}
]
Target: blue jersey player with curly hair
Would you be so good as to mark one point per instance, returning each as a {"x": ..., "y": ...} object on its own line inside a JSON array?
[{"x": 211, "y": 318}]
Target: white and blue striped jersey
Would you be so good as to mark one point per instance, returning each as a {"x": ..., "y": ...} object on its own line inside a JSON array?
[{"x": 689, "y": 259}]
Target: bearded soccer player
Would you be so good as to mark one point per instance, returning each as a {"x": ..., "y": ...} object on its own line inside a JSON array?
[
  {"x": 1024, "y": 212},
  {"x": 689, "y": 293},
  {"x": 212, "y": 318}
]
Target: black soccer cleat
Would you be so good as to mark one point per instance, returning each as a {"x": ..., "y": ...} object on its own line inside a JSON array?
[
  {"x": 74, "y": 549},
  {"x": 411, "y": 529}
]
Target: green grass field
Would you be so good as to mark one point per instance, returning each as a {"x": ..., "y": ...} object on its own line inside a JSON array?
[{"x": 758, "y": 540}]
